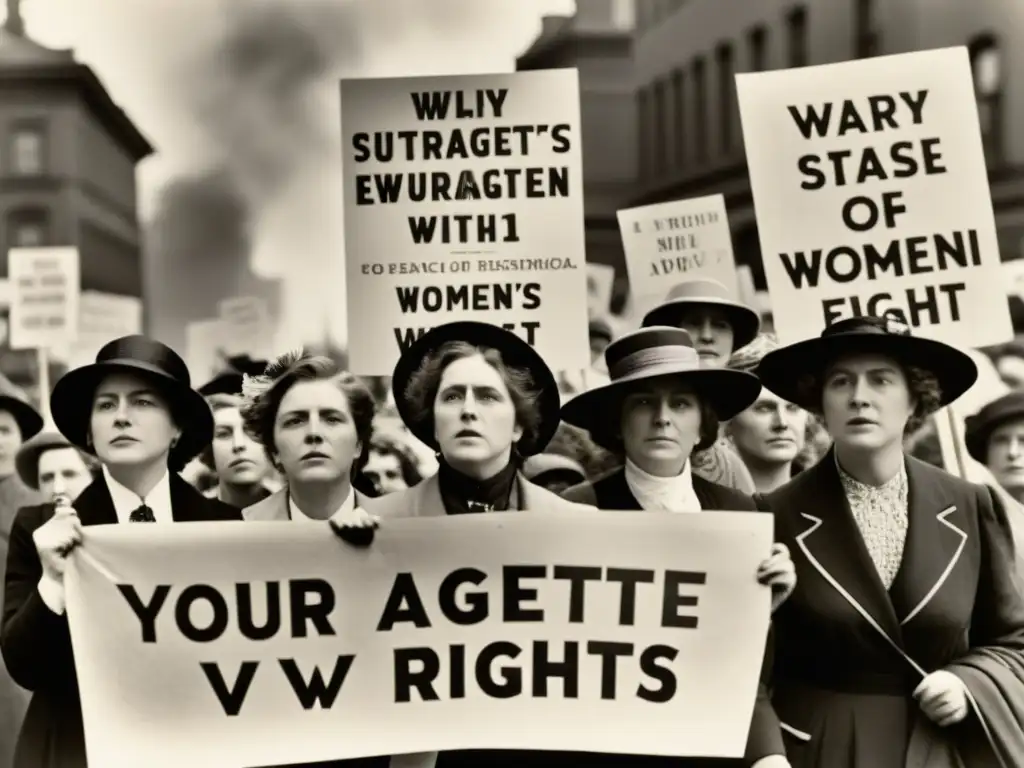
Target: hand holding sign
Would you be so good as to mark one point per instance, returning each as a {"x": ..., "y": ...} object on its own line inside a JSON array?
[{"x": 356, "y": 527}]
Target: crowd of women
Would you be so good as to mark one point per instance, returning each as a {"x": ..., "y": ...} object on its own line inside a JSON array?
[{"x": 897, "y": 634}]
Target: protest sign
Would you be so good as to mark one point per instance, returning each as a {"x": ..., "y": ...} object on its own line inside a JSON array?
[
  {"x": 463, "y": 201},
  {"x": 44, "y": 297},
  {"x": 872, "y": 197},
  {"x": 668, "y": 243},
  {"x": 204, "y": 349},
  {"x": 246, "y": 327},
  {"x": 101, "y": 318},
  {"x": 467, "y": 632}
]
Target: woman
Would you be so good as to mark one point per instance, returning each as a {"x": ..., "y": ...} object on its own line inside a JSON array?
[
  {"x": 133, "y": 409},
  {"x": 390, "y": 466},
  {"x": 51, "y": 465},
  {"x": 660, "y": 407},
  {"x": 554, "y": 471},
  {"x": 314, "y": 421},
  {"x": 240, "y": 462},
  {"x": 905, "y": 608}
]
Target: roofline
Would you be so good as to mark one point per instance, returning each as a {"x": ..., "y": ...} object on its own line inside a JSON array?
[{"x": 540, "y": 48}]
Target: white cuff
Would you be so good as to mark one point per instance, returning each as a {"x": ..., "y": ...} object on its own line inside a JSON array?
[{"x": 52, "y": 593}]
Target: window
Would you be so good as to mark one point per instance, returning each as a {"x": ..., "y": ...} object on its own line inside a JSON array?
[
  {"x": 644, "y": 164},
  {"x": 679, "y": 118},
  {"x": 757, "y": 42},
  {"x": 660, "y": 132},
  {"x": 27, "y": 228},
  {"x": 700, "y": 111},
  {"x": 27, "y": 150},
  {"x": 866, "y": 39},
  {"x": 796, "y": 22},
  {"x": 987, "y": 66},
  {"x": 725, "y": 102}
]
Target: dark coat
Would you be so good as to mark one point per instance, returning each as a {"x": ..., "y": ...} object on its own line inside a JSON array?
[
  {"x": 848, "y": 652},
  {"x": 36, "y": 642}
]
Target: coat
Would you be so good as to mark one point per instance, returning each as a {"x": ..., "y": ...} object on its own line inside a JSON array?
[
  {"x": 36, "y": 642},
  {"x": 274, "y": 508},
  {"x": 612, "y": 492},
  {"x": 848, "y": 652}
]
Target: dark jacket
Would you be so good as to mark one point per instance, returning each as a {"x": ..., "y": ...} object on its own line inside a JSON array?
[
  {"x": 36, "y": 642},
  {"x": 848, "y": 652}
]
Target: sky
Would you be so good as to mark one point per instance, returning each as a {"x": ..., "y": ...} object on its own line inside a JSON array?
[{"x": 252, "y": 86}]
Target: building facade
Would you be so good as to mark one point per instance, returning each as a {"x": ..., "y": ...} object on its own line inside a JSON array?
[
  {"x": 67, "y": 167},
  {"x": 598, "y": 41},
  {"x": 686, "y": 53}
]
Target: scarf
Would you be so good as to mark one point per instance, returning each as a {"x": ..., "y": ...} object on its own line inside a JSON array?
[
  {"x": 462, "y": 494},
  {"x": 662, "y": 494}
]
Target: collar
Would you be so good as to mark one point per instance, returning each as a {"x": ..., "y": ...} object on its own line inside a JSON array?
[
  {"x": 895, "y": 483},
  {"x": 669, "y": 494},
  {"x": 297, "y": 515},
  {"x": 127, "y": 501}
]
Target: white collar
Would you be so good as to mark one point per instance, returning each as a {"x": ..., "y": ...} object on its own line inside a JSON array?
[
  {"x": 127, "y": 501},
  {"x": 296, "y": 514},
  {"x": 662, "y": 494}
]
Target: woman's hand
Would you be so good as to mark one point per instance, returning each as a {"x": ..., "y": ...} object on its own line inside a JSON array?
[
  {"x": 356, "y": 527},
  {"x": 942, "y": 697},
  {"x": 779, "y": 573},
  {"x": 772, "y": 761},
  {"x": 55, "y": 539}
]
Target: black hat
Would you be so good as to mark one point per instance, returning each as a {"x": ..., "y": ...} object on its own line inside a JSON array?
[
  {"x": 704, "y": 292},
  {"x": 229, "y": 381},
  {"x": 782, "y": 370},
  {"x": 515, "y": 352},
  {"x": 650, "y": 353},
  {"x": 26, "y": 462},
  {"x": 980, "y": 426},
  {"x": 13, "y": 401},
  {"x": 71, "y": 399}
]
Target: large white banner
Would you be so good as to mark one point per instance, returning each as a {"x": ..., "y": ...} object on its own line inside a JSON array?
[
  {"x": 872, "y": 196},
  {"x": 242, "y": 644},
  {"x": 464, "y": 201}
]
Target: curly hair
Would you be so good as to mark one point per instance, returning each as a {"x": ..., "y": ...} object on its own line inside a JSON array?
[
  {"x": 259, "y": 412},
  {"x": 922, "y": 384},
  {"x": 424, "y": 384}
]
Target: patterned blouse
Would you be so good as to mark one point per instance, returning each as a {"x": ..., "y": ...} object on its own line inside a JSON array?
[{"x": 881, "y": 515}]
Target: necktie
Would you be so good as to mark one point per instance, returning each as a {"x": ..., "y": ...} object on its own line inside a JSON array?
[{"x": 142, "y": 515}]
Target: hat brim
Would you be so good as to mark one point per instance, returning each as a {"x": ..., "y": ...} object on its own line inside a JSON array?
[
  {"x": 977, "y": 431},
  {"x": 71, "y": 404},
  {"x": 745, "y": 322},
  {"x": 515, "y": 352},
  {"x": 26, "y": 462},
  {"x": 225, "y": 384},
  {"x": 598, "y": 410},
  {"x": 781, "y": 370},
  {"x": 29, "y": 422}
]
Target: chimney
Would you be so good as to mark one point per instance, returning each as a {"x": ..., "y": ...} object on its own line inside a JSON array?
[{"x": 14, "y": 25}]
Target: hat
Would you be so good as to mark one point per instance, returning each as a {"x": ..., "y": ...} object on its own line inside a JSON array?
[
  {"x": 515, "y": 352},
  {"x": 539, "y": 465},
  {"x": 747, "y": 358},
  {"x": 980, "y": 426},
  {"x": 71, "y": 399},
  {"x": 651, "y": 353},
  {"x": 703, "y": 292},
  {"x": 229, "y": 381},
  {"x": 26, "y": 462},
  {"x": 14, "y": 402},
  {"x": 781, "y": 371}
]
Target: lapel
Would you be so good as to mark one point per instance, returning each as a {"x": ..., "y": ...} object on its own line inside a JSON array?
[
  {"x": 275, "y": 507},
  {"x": 94, "y": 505},
  {"x": 936, "y": 538},
  {"x": 612, "y": 492},
  {"x": 187, "y": 504},
  {"x": 425, "y": 497}
]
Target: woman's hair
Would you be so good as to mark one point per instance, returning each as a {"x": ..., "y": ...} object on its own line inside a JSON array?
[
  {"x": 262, "y": 396},
  {"x": 426, "y": 381},
  {"x": 922, "y": 384},
  {"x": 217, "y": 402},
  {"x": 389, "y": 446}
]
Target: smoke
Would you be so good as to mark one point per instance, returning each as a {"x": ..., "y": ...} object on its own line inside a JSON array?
[{"x": 253, "y": 88}]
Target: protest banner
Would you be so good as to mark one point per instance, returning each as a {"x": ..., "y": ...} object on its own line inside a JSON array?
[
  {"x": 44, "y": 296},
  {"x": 467, "y": 632},
  {"x": 463, "y": 200},
  {"x": 872, "y": 198},
  {"x": 668, "y": 243},
  {"x": 246, "y": 326}
]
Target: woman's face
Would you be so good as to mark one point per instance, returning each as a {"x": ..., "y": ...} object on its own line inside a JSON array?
[
  {"x": 62, "y": 472},
  {"x": 131, "y": 423},
  {"x": 10, "y": 442},
  {"x": 866, "y": 402},
  {"x": 384, "y": 470},
  {"x": 475, "y": 421},
  {"x": 712, "y": 334},
  {"x": 1005, "y": 457},
  {"x": 314, "y": 434},
  {"x": 238, "y": 459},
  {"x": 772, "y": 431},
  {"x": 660, "y": 425}
]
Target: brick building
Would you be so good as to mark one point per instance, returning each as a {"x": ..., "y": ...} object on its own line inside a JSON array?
[
  {"x": 598, "y": 40},
  {"x": 686, "y": 52}
]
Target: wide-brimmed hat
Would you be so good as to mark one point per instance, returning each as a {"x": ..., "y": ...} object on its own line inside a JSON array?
[
  {"x": 537, "y": 467},
  {"x": 229, "y": 381},
  {"x": 651, "y": 353},
  {"x": 26, "y": 462},
  {"x": 784, "y": 371},
  {"x": 980, "y": 426},
  {"x": 515, "y": 353},
  {"x": 71, "y": 400},
  {"x": 704, "y": 292},
  {"x": 13, "y": 401}
]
